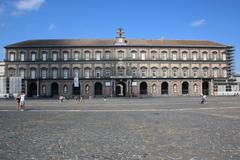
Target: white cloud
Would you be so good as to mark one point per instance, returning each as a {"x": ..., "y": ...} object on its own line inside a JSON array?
[
  {"x": 51, "y": 27},
  {"x": 28, "y": 5},
  {"x": 198, "y": 23}
]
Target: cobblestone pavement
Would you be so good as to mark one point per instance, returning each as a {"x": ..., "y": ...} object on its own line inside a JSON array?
[{"x": 165, "y": 128}]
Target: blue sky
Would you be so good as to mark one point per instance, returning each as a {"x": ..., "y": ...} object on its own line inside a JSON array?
[{"x": 214, "y": 20}]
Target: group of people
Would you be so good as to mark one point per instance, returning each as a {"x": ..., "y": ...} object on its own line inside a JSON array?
[{"x": 20, "y": 102}]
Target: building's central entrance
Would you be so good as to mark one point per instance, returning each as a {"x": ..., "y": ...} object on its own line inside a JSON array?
[{"x": 120, "y": 89}]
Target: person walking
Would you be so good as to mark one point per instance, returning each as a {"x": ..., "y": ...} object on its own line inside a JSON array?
[
  {"x": 203, "y": 99},
  {"x": 22, "y": 102},
  {"x": 18, "y": 102}
]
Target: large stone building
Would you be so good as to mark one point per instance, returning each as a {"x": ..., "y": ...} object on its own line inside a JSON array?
[{"x": 120, "y": 67}]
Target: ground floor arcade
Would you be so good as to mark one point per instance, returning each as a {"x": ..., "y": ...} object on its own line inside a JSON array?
[{"x": 119, "y": 87}]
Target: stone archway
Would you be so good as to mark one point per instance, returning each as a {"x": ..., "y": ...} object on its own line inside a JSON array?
[
  {"x": 54, "y": 89},
  {"x": 205, "y": 88},
  {"x": 98, "y": 89},
  {"x": 32, "y": 89},
  {"x": 185, "y": 88},
  {"x": 164, "y": 88},
  {"x": 143, "y": 88}
]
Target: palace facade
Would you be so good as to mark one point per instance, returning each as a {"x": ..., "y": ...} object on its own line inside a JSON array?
[{"x": 120, "y": 67}]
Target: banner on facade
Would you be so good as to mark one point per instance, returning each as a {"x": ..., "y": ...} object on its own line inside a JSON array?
[{"x": 76, "y": 82}]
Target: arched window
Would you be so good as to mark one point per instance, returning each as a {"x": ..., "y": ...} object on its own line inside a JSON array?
[
  {"x": 215, "y": 72},
  {"x": 174, "y": 55},
  {"x": 22, "y": 56},
  {"x": 143, "y": 72},
  {"x": 107, "y": 55},
  {"x": 184, "y": 55},
  {"x": 175, "y": 72},
  {"x": 134, "y": 54},
  {"x": 87, "y": 55},
  {"x": 98, "y": 72},
  {"x": 33, "y": 73},
  {"x": 54, "y": 73},
  {"x": 54, "y": 55},
  {"x": 214, "y": 55},
  {"x": 205, "y": 71},
  {"x": 76, "y": 55},
  {"x": 143, "y": 88},
  {"x": 154, "y": 72},
  {"x": 154, "y": 55},
  {"x": 165, "y": 72},
  {"x": 224, "y": 70},
  {"x": 22, "y": 73},
  {"x": 205, "y": 54},
  {"x": 143, "y": 55},
  {"x": 164, "y": 55},
  {"x": 65, "y": 73},
  {"x": 87, "y": 72},
  {"x": 194, "y": 55},
  {"x": 44, "y": 73},
  {"x": 65, "y": 55},
  {"x": 33, "y": 56},
  {"x": 185, "y": 72},
  {"x": 98, "y": 55}
]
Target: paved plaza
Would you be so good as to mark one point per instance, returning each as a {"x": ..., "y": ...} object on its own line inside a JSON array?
[{"x": 164, "y": 128}]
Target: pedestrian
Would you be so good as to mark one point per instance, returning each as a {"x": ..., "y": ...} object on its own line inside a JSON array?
[
  {"x": 61, "y": 98},
  {"x": 105, "y": 99},
  {"x": 18, "y": 102},
  {"x": 203, "y": 99},
  {"x": 22, "y": 102}
]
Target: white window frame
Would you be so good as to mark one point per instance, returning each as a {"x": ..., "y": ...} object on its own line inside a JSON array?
[
  {"x": 54, "y": 56},
  {"x": 76, "y": 56},
  {"x": 33, "y": 73},
  {"x": 65, "y": 73},
  {"x": 87, "y": 73},
  {"x": 44, "y": 74},
  {"x": 33, "y": 56},
  {"x": 65, "y": 56},
  {"x": 44, "y": 56},
  {"x": 22, "y": 73},
  {"x": 54, "y": 73},
  {"x": 174, "y": 56},
  {"x": 12, "y": 56},
  {"x": 22, "y": 56},
  {"x": 194, "y": 56},
  {"x": 98, "y": 56}
]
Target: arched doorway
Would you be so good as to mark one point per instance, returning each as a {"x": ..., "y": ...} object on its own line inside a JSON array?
[
  {"x": 185, "y": 88},
  {"x": 143, "y": 88},
  {"x": 205, "y": 88},
  {"x": 164, "y": 88},
  {"x": 98, "y": 89},
  {"x": 54, "y": 89},
  {"x": 76, "y": 90},
  {"x": 32, "y": 89},
  {"x": 121, "y": 89}
]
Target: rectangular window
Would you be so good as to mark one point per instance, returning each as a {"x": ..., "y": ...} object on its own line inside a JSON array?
[
  {"x": 87, "y": 56},
  {"x": 87, "y": 73},
  {"x": 65, "y": 56},
  {"x": 33, "y": 56},
  {"x": 44, "y": 74},
  {"x": 54, "y": 57},
  {"x": 12, "y": 56},
  {"x": 22, "y": 57},
  {"x": 174, "y": 56},
  {"x": 204, "y": 56},
  {"x": 214, "y": 57},
  {"x": 98, "y": 73},
  {"x": 224, "y": 57},
  {"x": 194, "y": 56},
  {"x": 65, "y": 73},
  {"x": 134, "y": 73},
  {"x": 184, "y": 56},
  {"x": 33, "y": 74},
  {"x": 108, "y": 73},
  {"x": 143, "y": 56},
  {"x": 44, "y": 56},
  {"x": 107, "y": 55},
  {"x": 134, "y": 56},
  {"x": 76, "y": 56},
  {"x": 164, "y": 56},
  {"x": 154, "y": 73},
  {"x": 55, "y": 73},
  {"x": 98, "y": 56},
  {"x": 76, "y": 73},
  {"x": 22, "y": 73}
]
